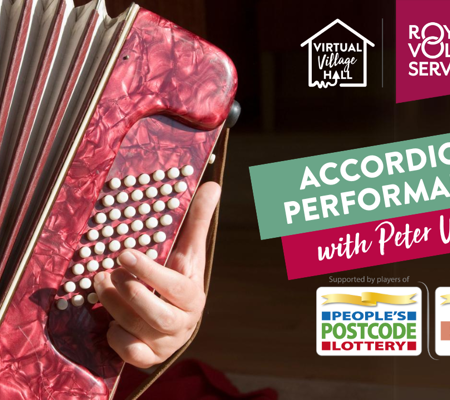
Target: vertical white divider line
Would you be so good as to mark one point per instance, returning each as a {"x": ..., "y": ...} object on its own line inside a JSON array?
[
  {"x": 428, "y": 322},
  {"x": 382, "y": 53}
]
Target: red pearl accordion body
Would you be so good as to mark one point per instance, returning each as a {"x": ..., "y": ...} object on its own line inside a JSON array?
[{"x": 162, "y": 69}]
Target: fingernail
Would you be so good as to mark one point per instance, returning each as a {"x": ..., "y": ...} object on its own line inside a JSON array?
[
  {"x": 100, "y": 277},
  {"x": 127, "y": 258},
  {"x": 114, "y": 278}
]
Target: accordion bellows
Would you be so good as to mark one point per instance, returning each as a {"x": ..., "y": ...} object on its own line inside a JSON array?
[{"x": 106, "y": 129}]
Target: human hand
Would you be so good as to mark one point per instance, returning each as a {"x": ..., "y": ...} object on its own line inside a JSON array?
[{"x": 148, "y": 329}]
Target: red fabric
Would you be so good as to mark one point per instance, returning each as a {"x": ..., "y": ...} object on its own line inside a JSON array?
[{"x": 188, "y": 380}]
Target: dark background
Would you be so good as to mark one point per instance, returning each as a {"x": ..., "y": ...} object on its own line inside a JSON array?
[{"x": 257, "y": 323}]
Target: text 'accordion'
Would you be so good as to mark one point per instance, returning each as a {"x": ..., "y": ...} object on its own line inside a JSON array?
[{"x": 106, "y": 129}]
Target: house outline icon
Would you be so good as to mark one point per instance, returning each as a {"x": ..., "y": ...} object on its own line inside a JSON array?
[{"x": 365, "y": 41}]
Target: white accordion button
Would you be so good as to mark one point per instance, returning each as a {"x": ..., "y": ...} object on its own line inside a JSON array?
[
  {"x": 100, "y": 218},
  {"x": 78, "y": 269},
  {"x": 212, "y": 159},
  {"x": 92, "y": 298},
  {"x": 99, "y": 248},
  {"x": 122, "y": 229},
  {"x": 130, "y": 243},
  {"x": 144, "y": 240},
  {"x": 92, "y": 266},
  {"x": 85, "y": 283},
  {"x": 166, "y": 220},
  {"x": 180, "y": 187},
  {"x": 85, "y": 252},
  {"x": 114, "y": 246},
  {"x": 114, "y": 183},
  {"x": 159, "y": 206},
  {"x": 151, "y": 192},
  {"x": 144, "y": 209},
  {"x": 77, "y": 300},
  {"x": 122, "y": 197},
  {"x": 114, "y": 214},
  {"x": 158, "y": 175},
  {"x": 129, "y": 212},
  {"x": 108, "y": 201},
  {"x": 144, "y": 179},
  {"x": 137, "y": 226},
  {"x": 152, "y": 253},
  {"x": 107, "y": 231},
  {"x": 92, "y": 235},
  {"x": 137, "y": 195},
  {"x": 187, "y": 170},
  {"x": 62, "y": 304},
  {"x": 159, "y": 237},
  {"x": 173, "y": 203},
  {"x": 129, "y": 181},
  {"x": 166, "y": 189},
  {"x": 69, "y": 287},
  {"x": 108, "y": 263},
  {"x": 173, "y": 173},
  {"x": 151, "y": 223}
]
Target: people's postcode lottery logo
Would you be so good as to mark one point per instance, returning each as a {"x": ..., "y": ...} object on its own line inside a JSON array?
[{"x": 369, "y": 321}]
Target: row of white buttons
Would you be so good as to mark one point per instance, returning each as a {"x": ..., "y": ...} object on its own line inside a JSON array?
[
  {"x": 122, "y": 229},
  {"x": 84, "y": 283},
  {"x": 138, "y": 195},
  {"x": 143, "y": 209},
  {"x": 129, "y": 243},
  {"x": 157, "y": 176},
  {"x": 107, "y": 263},
  {"x": 77, "y": 301}
]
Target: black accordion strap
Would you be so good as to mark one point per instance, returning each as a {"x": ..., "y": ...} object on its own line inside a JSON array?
[{"x": 219, "y": 168}]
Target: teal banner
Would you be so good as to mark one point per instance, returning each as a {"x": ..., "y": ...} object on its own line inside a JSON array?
[{"x": 352, "y": 187}]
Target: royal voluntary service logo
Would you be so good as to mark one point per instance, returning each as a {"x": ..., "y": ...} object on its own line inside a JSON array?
[
  {"x": 332, "y": 62},
  {"x": 423, "y": 49}
]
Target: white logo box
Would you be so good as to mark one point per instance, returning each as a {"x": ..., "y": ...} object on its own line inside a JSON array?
[
  {"x": 442, "y": 322},
  {"x": 400, "y": 324}
]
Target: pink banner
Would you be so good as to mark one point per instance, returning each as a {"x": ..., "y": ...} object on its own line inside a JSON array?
[
  {"x": 368, "y": 244},
  {"x": 423, "y": 54}
]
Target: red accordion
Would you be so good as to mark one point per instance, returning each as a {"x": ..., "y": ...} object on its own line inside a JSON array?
[{"x": 107, "y": 127}]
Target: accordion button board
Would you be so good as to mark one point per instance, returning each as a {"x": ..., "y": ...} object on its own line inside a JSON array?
[
  {"x": 135, "y": 153},
  {"x": 144, "y": 230}
]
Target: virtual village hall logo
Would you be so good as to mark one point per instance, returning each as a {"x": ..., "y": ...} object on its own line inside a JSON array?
[{"x": 330, "y": 63}]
